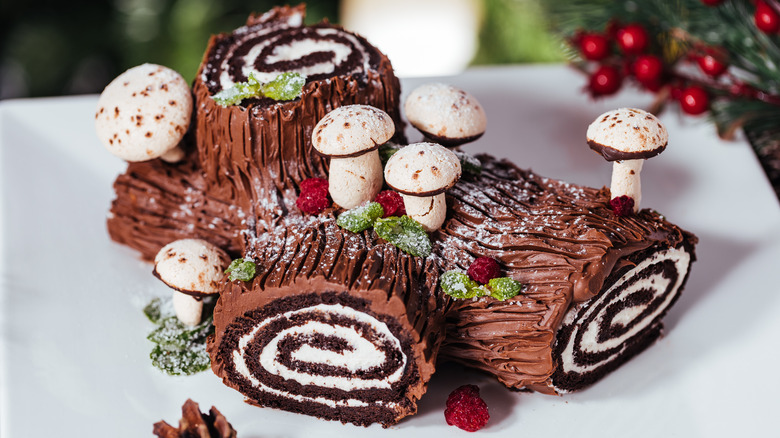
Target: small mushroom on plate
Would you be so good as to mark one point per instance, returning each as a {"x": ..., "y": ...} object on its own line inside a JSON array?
[
  {"x": 193, "y": 268},
  {"x": 445, "y": 114},
  {"x": 351, "y": 135},
  {"x": 421, "y": 173},
  {"x": 627, "y": 137},
  {"x": 144, "y": 113}
]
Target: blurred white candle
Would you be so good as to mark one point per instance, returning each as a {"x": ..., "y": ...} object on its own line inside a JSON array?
[{"x": 421, "y": 37}]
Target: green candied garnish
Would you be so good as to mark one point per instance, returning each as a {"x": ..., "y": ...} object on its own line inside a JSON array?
[
  {"x": 504, "y": 288},
  {"x": 173, "y": 335},
  {"x": 286, "y": 86},
  {"x": 458, "y": 285},
  {"x": 181, "y": 362},
  {"x": 179, "y": 349},
  {"x": 405, "y": 233},
  {"x": 153, "y": 310},
  {"x": 360, "y": 218},
  {"x": 387, "y": 150},
  {"x": 469, "y": 163},
  {"x": 241, "y": 269}
]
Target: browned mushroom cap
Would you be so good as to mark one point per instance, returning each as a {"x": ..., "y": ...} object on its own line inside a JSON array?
[
  {"x": 352, "y": 130},
  {"x": 422, "y": 169},
  {"x": 445, "y": 114},
  {"x": 627, "y": 134},
  {"x": 191, "y": 266}
]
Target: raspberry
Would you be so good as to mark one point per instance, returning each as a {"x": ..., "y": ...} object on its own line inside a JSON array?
[
  {"x": 313, "y": 201},
  {"x": 466, "y": 409},
  {"x": 484, "y": 269},
  {"x": 391, "y": 202},
  {"x": 314, "y": 185},
  {"x": 622, "y": 205}
]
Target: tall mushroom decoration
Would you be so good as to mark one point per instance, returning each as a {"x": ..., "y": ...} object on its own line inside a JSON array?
[
  {"x": 350, "y": 135},
  {"x": 193, "y": 268},
  {"x": 627, "y": 137},
  {"x": 421, "y": 173}
]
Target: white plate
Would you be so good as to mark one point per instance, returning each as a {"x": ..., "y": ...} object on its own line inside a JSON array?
[{"x": 75, "y": 358}]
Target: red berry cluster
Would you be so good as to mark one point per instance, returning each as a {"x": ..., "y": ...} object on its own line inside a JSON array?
[
  {"x": 392, "y": 203},
  {"x": 466, "y": 409},
  {"x": 313, "y": 198},
  {"x": 622, "y": 205},
  {"x": 484, "y": 269}
]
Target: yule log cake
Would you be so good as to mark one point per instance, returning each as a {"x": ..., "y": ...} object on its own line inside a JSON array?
[{"x": 341, "y": 312}]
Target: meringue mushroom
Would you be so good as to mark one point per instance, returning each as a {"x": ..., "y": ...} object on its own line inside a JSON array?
[
  {"x": 445, "y": 114},
  {"x": 350, "y": 135},
  {"x": 627, "y": 137},
  {"x": 193, "y": 268},
  {"x": 421, "y": 173},
  {"x": 144, "y": 113}
]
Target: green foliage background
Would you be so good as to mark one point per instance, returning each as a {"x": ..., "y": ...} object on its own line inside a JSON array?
[{"x": 51, "y": 47}]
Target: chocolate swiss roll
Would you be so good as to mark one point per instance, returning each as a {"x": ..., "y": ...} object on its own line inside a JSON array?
[
  {"x": 596, "y": 285},
  {"x": 261, "y": 148},
  {"x": 334, "y": 325}
]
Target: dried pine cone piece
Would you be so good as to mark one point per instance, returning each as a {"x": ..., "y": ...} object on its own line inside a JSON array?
[{"x": 194, "y": 424}]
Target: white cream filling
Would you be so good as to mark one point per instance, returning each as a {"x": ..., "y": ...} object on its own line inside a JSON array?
[
  {"x": 657, "y": 283},
  {"x": 290, "y": 52},
  {"x": 363, "y": 355}
]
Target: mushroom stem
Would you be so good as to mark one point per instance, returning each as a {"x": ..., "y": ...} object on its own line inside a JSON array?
[
  {"x": 625, "y": 180},
  {"x": 188, "y": 308},
  {"x": 355, "y": 180},
  {"x": 174, "y": 155},
  {"x": 429, "y": 211}
]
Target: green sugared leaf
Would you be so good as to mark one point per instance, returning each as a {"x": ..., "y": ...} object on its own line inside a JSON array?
[
  {"x": 458, "y": 285},
  {"x": 241, "y": 269},
  {"x": 469, "y": 163},
  {"x": 405, "y": 233},
  {"x": 173, "y": 335},
  {"x": 286, "y": 86},
  {"x": 154, "y": 311},
  {"x": 504, "y": 288},
  {"x": 386, "y": 151},
  {"x": 181, "y": 362},
  {"x": 360, "y": 218}
]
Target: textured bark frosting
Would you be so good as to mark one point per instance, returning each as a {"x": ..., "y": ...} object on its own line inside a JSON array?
[{"x": 262, "y": 148}]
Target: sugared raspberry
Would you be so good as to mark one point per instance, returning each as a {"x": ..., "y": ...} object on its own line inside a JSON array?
[
  {"x": 484, "y": 269},
  {"x": 313, "y": 201},
  {"x": 392, "y": 203},
  {"x": 622, "y": 205},
  {"x": 314, "y": 185},
  {"x": 466, "y": 409}
]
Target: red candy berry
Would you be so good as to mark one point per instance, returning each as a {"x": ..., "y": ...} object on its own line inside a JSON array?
[
  {"x": 391, "y": 202},
  {"x": 466, "y": 409},
  {"x": 767, "y": 18},
  {"x": 594, "y": 47},
  {"x": 711, "y": 65},
  {"x": 314, "y": 196},
  {"x": 632, "y": 39},
  {"x": 605, "y": 80},
  {"x": 622, "y": 205},
  {"x": 314, "y": 185},
  {"x": 694, "y": 100},
  {"x": 712, "y": 3},
  {"x": 484, "y": 269}
]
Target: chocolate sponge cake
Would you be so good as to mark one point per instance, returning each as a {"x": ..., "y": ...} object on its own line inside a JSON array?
[{"x": 345, "y": 325}]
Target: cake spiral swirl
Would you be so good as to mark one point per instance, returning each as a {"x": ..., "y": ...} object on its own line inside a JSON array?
[{"x": 598, "y": 336}]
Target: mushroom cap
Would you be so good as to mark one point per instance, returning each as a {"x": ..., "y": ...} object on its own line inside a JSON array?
[
  {"x": 352, "y": 130},
  {"x": 445, "y": 113},
  {"x": 627, "y": 134},
  {"x": 422, "y": 169},
  {"x": 191, "y": 266},
  {"x": 144, "y": 112}
]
